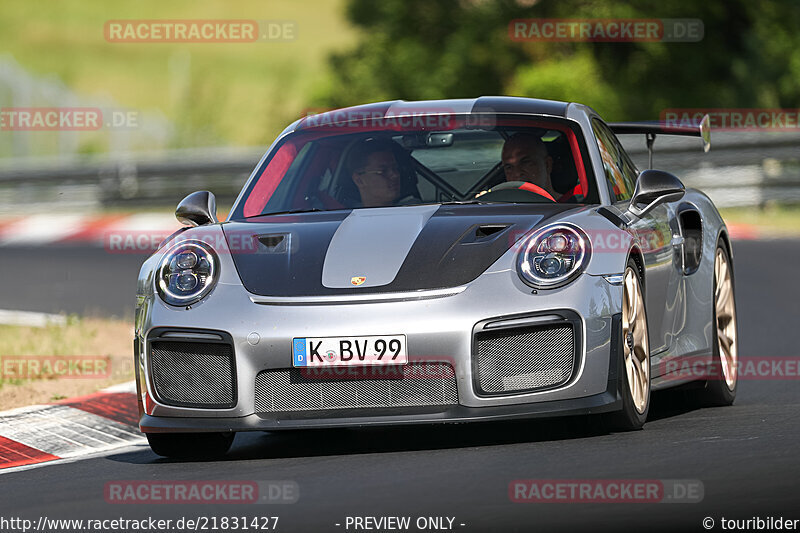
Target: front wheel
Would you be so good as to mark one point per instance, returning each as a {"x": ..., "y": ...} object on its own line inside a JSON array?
[
  {"x": 190, "y": 445},
  {"x": 636, "y": 355}
]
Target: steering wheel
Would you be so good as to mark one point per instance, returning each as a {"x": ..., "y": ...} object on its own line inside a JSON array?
[{"x": 512, "y": 187}]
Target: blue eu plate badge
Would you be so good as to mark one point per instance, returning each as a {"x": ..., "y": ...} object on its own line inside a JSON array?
[{"x": 299, "y": 348}]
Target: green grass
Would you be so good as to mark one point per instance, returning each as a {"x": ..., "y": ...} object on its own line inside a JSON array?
[
  {"x": 238, "y": 93},
  {"x": 776, "y": 220},
  {"x": 78, "y": 337},
  {"x": 93, "y": 339}
]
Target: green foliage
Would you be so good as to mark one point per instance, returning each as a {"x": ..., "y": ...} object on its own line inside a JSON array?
[
  {"x": 574, "y": 77},
  {"x": 213, "y": 93},
  {"x": 418, "y": 49},
  {"x": 246, "y": 93},
  {"x": 421, "y": 49}
]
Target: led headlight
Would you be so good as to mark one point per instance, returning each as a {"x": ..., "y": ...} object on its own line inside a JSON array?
[
  {"x": 187, "y": 273},
  {"x": 553, "y": 256}
]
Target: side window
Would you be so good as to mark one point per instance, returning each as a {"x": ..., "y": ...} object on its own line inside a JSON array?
[
  {"x": 629, "y": 170},
  {"x": 620, "y": 172}
]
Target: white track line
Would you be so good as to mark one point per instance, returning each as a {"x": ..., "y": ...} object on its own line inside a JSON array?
[{"x": 10, "y": 317}]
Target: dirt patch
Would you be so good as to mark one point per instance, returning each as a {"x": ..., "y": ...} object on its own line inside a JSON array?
[{"x": 92, "y": 353}]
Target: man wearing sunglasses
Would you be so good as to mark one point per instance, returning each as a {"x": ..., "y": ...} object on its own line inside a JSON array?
[{"x": 377, "y": 174}]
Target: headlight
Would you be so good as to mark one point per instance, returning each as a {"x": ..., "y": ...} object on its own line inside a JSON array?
[
  {"x": 553, "y": 256},
  {"x": 187, "y": 273}
]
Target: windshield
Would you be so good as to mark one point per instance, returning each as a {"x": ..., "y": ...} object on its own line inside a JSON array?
[{"x": 433, "y": 159}]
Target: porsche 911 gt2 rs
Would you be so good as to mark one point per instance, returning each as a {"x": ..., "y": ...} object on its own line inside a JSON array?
[{"x": 430, "y": 262}]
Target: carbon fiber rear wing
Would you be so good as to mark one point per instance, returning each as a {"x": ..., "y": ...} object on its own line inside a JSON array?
[{"x": 650, "y": 130}]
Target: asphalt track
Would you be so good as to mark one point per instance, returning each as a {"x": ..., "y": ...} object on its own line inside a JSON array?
[
  {"x": 62, "y": 278},
  {"x": 746, "y": 456}
]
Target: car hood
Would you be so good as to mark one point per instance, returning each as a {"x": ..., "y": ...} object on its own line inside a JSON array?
[{"x": 385, "y": 249}]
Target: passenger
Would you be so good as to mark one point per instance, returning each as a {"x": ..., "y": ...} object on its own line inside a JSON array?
[{"x": 377, "y": 175}]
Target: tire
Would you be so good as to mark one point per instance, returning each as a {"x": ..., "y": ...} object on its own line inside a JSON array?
[
  {"x": 636, "y": 378},
  {"x": 190, "y": 445},
  {"x": 720, "y": 390}
]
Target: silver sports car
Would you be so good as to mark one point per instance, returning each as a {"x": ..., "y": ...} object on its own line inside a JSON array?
[{"x": 431, "y": 262}]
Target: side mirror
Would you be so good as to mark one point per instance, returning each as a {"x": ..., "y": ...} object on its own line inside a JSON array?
[
  {"x": 654, "y": 187},
  {"x": 197, "y": 209}
]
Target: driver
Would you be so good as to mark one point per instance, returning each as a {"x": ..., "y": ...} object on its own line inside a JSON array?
[
  {"x": 524, "y": 158},
  {"x": 376, "y": 174}
]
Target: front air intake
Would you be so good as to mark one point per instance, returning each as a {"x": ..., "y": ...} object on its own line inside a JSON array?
[
  {"x": 193, "y": 374},
  {"x": 525, "y": 359},
  {"x": 414, "y": 385}
]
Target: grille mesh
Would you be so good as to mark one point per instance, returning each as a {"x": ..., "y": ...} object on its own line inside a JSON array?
[
  {"x": 524, "y": 359},
  {"x": 193, "y": 373},
  {"x": 419, "y": 385}
]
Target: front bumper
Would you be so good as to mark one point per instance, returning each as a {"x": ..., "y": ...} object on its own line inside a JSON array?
[
  {"x": 437, "y": 329},
  {"x": 599, "y": 403}
]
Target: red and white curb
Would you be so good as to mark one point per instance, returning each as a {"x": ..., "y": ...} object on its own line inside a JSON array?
[
  {"x": 11, "y": 317},
  {"x": 745, "y": 232},
  {"x": 39, "y": 230},
  {"x": 70, "y": 428}
]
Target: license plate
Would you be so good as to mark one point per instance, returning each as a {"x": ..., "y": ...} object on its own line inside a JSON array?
[{"x": 350, "y": 351}]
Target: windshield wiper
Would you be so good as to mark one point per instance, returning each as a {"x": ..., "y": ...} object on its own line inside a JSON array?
[
  {"x": 465, "y": 202},
  {"x": 315, "y": 209},
  {"x": 289, "y": 212}
]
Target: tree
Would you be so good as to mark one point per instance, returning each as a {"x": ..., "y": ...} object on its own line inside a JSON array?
[{"x": 749, "y": 55}]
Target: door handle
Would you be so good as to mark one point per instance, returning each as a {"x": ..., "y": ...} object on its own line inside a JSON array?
[{"x": 677, "y": 240}]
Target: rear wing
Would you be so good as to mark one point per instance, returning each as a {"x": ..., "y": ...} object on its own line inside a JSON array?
[{"x": 650, "y": 130}]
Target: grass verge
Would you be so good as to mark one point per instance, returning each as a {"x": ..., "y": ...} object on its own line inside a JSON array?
[
  {"x": 98, "y": 350},
  {"x": 775, "y": 221}
]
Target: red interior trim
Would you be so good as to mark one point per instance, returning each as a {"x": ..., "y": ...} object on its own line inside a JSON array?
[
  {"x": 576, "y": 190},
  {"x": 269, "y": 179},
  {"x": 576, "y": 156}
]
